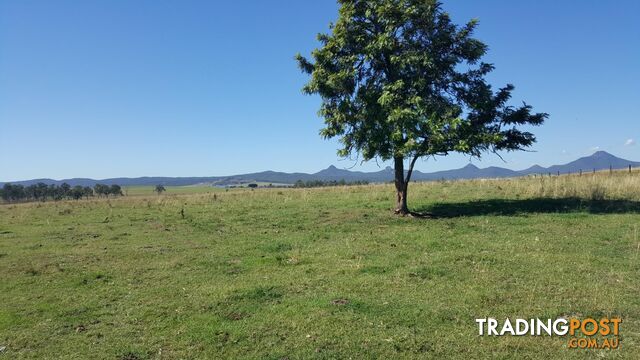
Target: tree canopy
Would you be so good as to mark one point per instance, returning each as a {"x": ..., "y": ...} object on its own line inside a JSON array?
[
  {"x": 399, "y": 80},
  {"x": 41, "y": 192}
]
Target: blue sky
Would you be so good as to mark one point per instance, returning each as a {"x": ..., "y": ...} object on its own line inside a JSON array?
[{"x": 194, "y": 88}]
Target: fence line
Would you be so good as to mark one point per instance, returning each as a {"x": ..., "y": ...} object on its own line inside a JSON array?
[{"x": 630, "y": 170}]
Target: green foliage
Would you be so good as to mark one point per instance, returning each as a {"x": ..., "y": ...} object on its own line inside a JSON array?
[
  {"x": 160, "y": 189},
  {"x": 14, "y": 192},
  {"x": 64, "y": 190},
  {"x": 398, "y": 79},
  {"x": 106, "y": 190},
  {"x": 88, "y": 191},
  {"x": 77, "y": 192},
  {"x": 43, "y": 192},
  {"x": 115, "y": 190}
]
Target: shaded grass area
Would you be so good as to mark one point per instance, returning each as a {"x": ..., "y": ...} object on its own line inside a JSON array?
[
  {"x": 313, "y": 273},
  {"x": 509, "y": 207}
]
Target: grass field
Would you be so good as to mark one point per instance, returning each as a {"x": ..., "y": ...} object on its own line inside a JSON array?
[
  {"x": 321, "y": 273},
  {"x": 170, "y": 190}
]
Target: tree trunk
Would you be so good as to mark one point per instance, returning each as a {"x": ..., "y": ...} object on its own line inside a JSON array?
[{"x": 401, "y": 187}]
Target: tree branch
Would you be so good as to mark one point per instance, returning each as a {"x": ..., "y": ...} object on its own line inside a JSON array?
[{"x": 411, "y": 165}]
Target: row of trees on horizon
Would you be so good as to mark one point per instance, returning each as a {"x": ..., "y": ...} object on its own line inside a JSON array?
[{"x": 43, "y": 192}]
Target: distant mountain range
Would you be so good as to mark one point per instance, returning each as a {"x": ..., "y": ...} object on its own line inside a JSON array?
[{"x": 598, "y": 161}]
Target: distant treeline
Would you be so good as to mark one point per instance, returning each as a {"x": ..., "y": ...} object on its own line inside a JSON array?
[
  {"x": 321, "y": 183},
  {"x": 44, "y": 192}
]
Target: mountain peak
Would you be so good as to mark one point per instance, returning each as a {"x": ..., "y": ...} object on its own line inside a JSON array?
[
  {"x": 470, "y": 166},
  {"x": 332, "y": 171},
  {"x": 535, "y": 167},
  {"x": 601, "y": 153}
]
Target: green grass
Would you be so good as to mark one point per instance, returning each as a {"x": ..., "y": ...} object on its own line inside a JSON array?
[
  {"x": 150, "y": 190},
  {"x": 317, "y": 273}
]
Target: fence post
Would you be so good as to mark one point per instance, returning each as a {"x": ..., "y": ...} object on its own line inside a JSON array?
[
  {"x": 558, "y": 172},
  {"x": 610, "y": 169},
  {"x": 594, "y": 170},
  {"x": 580, "y": 172},
  {"x": 629, "y": 168}
]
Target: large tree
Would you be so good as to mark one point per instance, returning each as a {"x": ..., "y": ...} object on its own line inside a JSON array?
[{"x": 399, "y": 81}]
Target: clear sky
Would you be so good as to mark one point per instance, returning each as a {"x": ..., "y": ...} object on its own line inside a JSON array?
[{"x": 194, "y": 88}]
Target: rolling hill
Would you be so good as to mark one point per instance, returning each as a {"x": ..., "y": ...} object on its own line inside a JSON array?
[{"x": 598, "y": 161}]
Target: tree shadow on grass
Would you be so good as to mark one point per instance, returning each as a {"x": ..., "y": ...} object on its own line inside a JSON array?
[{"x": 506, "y": 207}]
